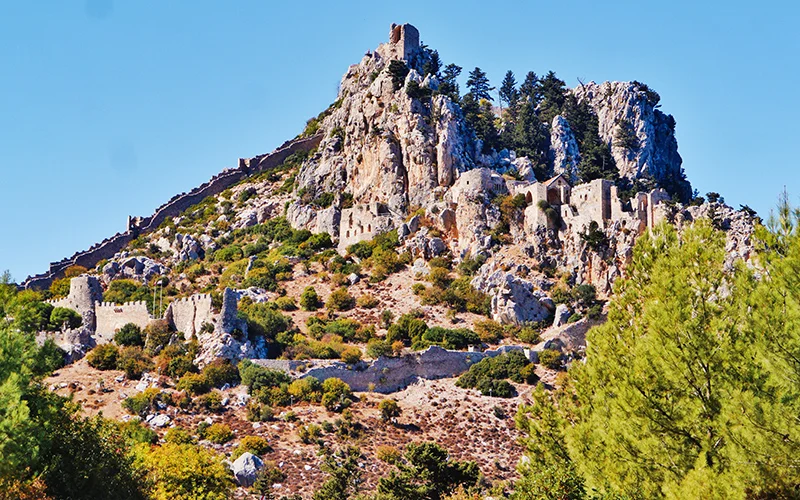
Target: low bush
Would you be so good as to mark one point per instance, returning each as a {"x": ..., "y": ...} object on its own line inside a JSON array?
[
  {"x": 103, "y": 357},
  {"x": 178, "y": 435},
  {"x": 309, "y": 433},
  {"x": 157, "y": 336},
  {"x": 487, "y": 373},
  {"x": 220, "y": 372},
  {"x": 351, "y": 355},
  {"x": 256, "y": 377},
  {"x": 134, "y": 362},
  {"x": 211, "y": 401},
  {"x": 256, "y": 445},
  {"x": 193, "y": 383},
  {"x": 218, "y": 433},
  {"x": 336, "y": 394},
  {"x": 259, "y": 412},
  {"x": 143, "y": 403},
  {"x": 489, "y": 331},
  {"x": 340, "y": 300},
  {"x": 309, "y": 300},
  {"x": 389, "y": 409},
  {"x": 551, "y": 358},
  {"x": 129, "y": 335},
  {"x": 367, "y": 301},
  {"x": 377, "y": 348}
]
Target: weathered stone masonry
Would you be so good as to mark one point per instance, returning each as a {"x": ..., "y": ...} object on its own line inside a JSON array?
[{"x": 174, "y": 207}]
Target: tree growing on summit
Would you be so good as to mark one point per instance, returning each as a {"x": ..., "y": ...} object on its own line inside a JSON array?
[
  {"x": 508, "y": 90},
  {"x": 530, "y": 89},
  {"x": 449, "y": 85},
  {"x": 478, "y": 85},
  {"x": 553, "y": 91},
  {"x": 433, "y": 65}
]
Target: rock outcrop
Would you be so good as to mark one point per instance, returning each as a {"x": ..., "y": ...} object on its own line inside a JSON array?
[{"x": 641, "y": 137}]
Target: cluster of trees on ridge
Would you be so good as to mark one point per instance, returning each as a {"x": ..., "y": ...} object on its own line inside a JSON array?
[{"x": 523, "y": 125}]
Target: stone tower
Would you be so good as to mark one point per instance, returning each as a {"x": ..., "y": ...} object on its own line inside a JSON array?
[{"x": 404, "y": 41}]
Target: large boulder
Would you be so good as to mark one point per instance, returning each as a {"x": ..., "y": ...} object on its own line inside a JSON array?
[
  {"x": 513, "y": 300},
  {"x": 245, "y": 469}
]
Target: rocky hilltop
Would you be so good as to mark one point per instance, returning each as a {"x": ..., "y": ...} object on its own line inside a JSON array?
[{"x": 397, "y": 153}]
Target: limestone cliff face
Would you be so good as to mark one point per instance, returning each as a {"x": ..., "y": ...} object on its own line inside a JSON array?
[
  {"x": 380, "y": 144},
  {"x": 641, "y": 137},
  {"x": 564, "y": 149}
]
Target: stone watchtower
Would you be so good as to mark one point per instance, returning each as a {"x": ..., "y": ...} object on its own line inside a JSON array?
[{"x": 404, "y": 40}]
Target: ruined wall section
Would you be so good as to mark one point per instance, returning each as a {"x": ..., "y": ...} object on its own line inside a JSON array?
[
  {"x": 188, "y": 315},
  {"x": 362, "y": 223},
  {"x": 111, "y": 317},
  {"x": 174, "y": 207},
  {"x": 388, "y": 375}
]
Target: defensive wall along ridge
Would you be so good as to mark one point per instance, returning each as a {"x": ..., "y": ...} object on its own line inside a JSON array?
[{"x": 174, "y": 207}]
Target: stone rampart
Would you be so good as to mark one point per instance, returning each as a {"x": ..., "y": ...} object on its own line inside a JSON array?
[
  {"x": 188, "y": 315},
  {"x": 111, "y": 317},
  {"x": 386, "y": 375},
  {"x": 174, "y": 207}
]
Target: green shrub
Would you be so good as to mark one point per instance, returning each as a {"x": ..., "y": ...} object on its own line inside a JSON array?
[
  {"x": 103, "y": 357},
  {"x": 487, "y": 373},
  {"x": 157, "y": 336},
  {"x": 230, "y": 253},
  {"x": 134, "y": 362},
  {"x": 259, "y": 412},
  {"x": 49, "y": 358},
  {"x": 220, "y": 372},
  {"x": 218, "y": 433},
  {"x": 418, "y": 288},
  {"x": 184, "y": 471},
  {"x": 340, "y": 300},
  {"x": 129, "y": 335},
  {"x": 449, "y": 339},
  {"x": 143, "y": 403},
  {"x": 256, "y": 377},
  {"x": 306, "y": 389},
  {"x": 309, "y": 300},
  {"x": 389, "y": 409},
  {"x": 193, "y": 383},
  {"x": 309, "y": 433},
  {"x": 136, "y": 432},
  {"x": 407, "y": 329},
  {"x": 489, "y": 331},
  {"x": 551, "y": 358},
  {"x": 256, "y": 445},
  {"x": 367, "y": 301},
  {"x": 178, "y": 435},
  {"x": 377, "y": 348},
  {"x": 286, "y": 304},
  {"x": 336, "y": 394},
  {"x": 439, "y": 277},
  {"x": 351, "y": 355},
  {"x": 264, "y": 321},
  {"x": 211, "y": 401},
  {"x": 62, "y": 317},
  {"x": 496, "y": 388}
]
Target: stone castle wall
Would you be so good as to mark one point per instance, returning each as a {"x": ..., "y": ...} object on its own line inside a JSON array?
[
  {"x": 174, "y": 207},
  {"x": 188, "y": 315},
  {"x": 388, "y": 375},
  {"x": 111, "y": 317}
]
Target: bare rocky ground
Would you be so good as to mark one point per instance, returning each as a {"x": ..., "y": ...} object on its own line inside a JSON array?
[{"x": 470, "y": 426}]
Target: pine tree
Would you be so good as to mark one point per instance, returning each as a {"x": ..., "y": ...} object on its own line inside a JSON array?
[
  {"x": 530, "y": 88},
  {"x": 531, "y": 138},
  {"x": 432, "y": 65},
  {"x": 508, "y": 90},
  {"x": 553, "y": 91},
  {"x": 689, "y": 390},
  {"x": 449, "y": 85},
  {"x": 478, "y": 85}
]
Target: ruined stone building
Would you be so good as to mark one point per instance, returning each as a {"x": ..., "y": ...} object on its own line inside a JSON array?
[
  {"x": 578, "y": 206},
  {"x": 362, "y": 223}
]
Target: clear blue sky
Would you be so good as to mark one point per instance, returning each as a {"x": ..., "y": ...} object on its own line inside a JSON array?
[{"x": 108, "y": 107}]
